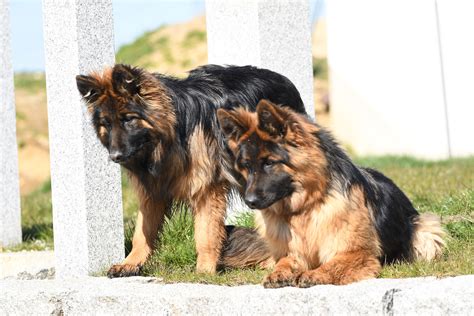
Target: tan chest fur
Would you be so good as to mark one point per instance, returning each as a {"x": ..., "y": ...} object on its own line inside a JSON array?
[
  {"x": 314, "y": 236},
  {"x": 205, "y": 169}
]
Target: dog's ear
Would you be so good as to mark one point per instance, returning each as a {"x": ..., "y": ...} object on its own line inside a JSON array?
[
  {"x": 89, "y": 88},
  {"x": 125, "y": 80},
  {"x": 283, "y": 123},
  {"x": 271, "y": 119},
  {"x": 231, "y": 124}
]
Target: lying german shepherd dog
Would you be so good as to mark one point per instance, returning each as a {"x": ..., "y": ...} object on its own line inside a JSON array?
[
  {"x": 326, "y": 221},
  {"x": 164, "y": 131}
]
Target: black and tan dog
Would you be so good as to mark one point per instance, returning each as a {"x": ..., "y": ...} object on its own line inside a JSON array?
[
  {"x": 164, "y": 131},
  {"x": 326, "y": 221}
]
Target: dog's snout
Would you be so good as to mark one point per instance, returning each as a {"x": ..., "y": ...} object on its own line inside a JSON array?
[
  {"x": 116, "y": 156},
  {"x": 252, "y": 200}
]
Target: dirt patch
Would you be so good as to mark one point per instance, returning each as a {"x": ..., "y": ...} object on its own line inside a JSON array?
[{"x": 32, "y": 138}]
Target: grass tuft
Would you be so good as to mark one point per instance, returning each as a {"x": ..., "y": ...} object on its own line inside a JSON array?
[
  {"x": 131, "y": 53},
  {"x": 31, "y": 82}
]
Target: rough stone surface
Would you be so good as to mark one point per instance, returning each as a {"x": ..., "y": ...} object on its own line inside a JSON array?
[
  {"x": 86, "y": 191},
  {"x": 146, "y": 296},
  {"x": 10, "y": 215}
]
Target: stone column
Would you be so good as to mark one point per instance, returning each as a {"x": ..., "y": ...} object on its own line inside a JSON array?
[
  {"x": 272, "y": 34},
  {"x": 86, "y": 190},
  {"x": 10, "y": 215}
]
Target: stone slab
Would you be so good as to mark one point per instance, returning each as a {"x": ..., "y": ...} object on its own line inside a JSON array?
[
  {"x": 31, "y": 262},
  {"x": 147, "y": 296}
]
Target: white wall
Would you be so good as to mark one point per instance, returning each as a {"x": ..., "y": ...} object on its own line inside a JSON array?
[{"x": 386, "y": 75}]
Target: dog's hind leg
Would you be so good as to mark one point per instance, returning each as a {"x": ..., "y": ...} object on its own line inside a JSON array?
[
  {"x": 149, "y": 222},
  {"x": 343, "y": 269},
  {"x": 209, "y": 229}
]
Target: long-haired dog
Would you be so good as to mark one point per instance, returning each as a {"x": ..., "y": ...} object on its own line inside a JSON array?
[
  {"x": 164, "y": 131},
  {"x": 326, "y": 221}
]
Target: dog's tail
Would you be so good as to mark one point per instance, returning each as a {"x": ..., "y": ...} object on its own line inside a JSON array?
[
  {"x": 428, "y": 238},
  {"x": 244, "y": 248}
]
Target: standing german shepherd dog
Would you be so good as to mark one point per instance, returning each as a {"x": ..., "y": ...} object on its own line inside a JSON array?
[
  {"x": 164, "y": 131},
  {"x": 326, "y": 221}
]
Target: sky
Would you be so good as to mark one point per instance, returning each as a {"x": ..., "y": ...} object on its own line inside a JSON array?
[{"x": 131, "y": 19}]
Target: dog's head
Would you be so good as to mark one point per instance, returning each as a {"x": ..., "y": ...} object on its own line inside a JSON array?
[
  {"x": 265, "y": 148},
  {"x": 130, "y": 110}
]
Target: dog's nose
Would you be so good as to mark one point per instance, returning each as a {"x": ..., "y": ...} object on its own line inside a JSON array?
[
  {"x": 251, "y": 200},
  {"x": 116, "y": 156}
]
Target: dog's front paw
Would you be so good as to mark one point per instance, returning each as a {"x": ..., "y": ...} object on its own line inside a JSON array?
[
  {"x": 124, "y": 270},
  {"x": 311, "y": 278},
  {"x": 278, "y": 279}
]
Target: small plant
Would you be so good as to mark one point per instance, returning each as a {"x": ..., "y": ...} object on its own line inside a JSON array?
[
  {"x": 320, "y": 68},
  {"x": 131, "y": 53},
  {"x": 30, "y": 81},
  {"x": 193, "y": 38}
]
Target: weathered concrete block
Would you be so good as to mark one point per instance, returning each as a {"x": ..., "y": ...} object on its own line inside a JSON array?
[
  {"x": 86, "y": 191},
  {"x": 143, "y": 296},
  {"x": 265, "y": 33},
  {"x": 386, "y": 77},
  {"x": 10, "y": 215}
]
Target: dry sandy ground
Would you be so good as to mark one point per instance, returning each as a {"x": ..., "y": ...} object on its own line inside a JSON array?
[{"x": 32, "y": 137}]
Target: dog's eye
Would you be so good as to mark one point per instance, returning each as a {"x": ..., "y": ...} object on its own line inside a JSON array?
[
  {"x": 269, "y": 163},
  {"x": 245, "y": 165},
  {"x": 128, "y": 119},
  {"x": 105, "y": 123}
]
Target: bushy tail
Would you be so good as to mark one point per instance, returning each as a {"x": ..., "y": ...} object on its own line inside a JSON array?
[
  {"x": 428, "y": 241},
  {"x": 244, "y": 248}
]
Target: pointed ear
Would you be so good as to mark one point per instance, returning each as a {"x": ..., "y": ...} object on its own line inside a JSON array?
[
  {"x": 271, "y": 119},
  {"x": 88, "y": 87},
  {"x": 230, "y": 125},
  {"x": 125, "y": 80}
]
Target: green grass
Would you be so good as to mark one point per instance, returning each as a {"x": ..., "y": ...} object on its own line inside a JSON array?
[
  {"x": 144, "y": 46},
  {"x": 320, "y": 68},
  {"x": 131, "y": 53},
  {"x": 443, "y": 187},
  {"x": 36, "y": 220},
  {"x": 193, "y": 38},
  {"x": 30, "y": 81}
]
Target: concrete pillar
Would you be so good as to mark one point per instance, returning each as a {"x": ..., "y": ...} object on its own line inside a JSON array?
[
  {"x": 86, "y": 190},
  {"x": 10, "y": 215},
  {"x": 386, "y": 77},
  {"x": 272, "y": 34}
]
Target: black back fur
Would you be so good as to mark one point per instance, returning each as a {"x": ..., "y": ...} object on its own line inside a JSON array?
[{"x": 393, "y": 212}]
